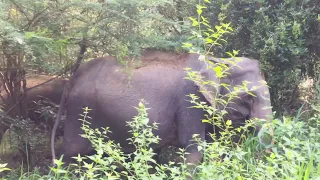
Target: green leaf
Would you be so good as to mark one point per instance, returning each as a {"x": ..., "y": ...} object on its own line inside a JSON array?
[
  {"x": 205, "y": 121},
  {"x": 218, "y": 70},
  {"x": 187, "y": 45},
  {"x": 228, "y": 123},
  {"x": 208, "y": 40},
  {"x": 3, "y": 167},
  {"x": 194, "y": 21}
]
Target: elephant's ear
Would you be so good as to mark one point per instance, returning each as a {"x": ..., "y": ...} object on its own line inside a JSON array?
[{"x": 210, "y": 73}]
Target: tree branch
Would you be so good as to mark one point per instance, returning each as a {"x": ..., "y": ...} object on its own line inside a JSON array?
[
  {"x": 20, "y": 10},
  {"x": 28, "y": 25}
]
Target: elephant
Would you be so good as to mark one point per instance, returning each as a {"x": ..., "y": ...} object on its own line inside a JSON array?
[
  {"x": 38, "y": 86},
  {"x": 41, "y": 86},
  {"x": 112, "y": 93}
]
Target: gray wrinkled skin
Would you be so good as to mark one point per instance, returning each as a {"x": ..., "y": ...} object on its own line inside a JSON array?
[{"x": 101, "y": 85}]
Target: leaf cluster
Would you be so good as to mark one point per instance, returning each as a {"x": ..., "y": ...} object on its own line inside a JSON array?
[{"x": 283, "y": 35}]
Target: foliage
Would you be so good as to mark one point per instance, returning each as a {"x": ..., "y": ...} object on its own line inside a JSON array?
[
  {"x": 295, "y": 153},
  {"x": 51, "y": 32},
  {"x": 283, "y": 35},
  {"x": 3, "y": 167},
  {"x": 137, "y": 168},
  {"x": 43, "y": 36}
]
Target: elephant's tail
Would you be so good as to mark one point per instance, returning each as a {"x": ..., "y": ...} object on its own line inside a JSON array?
[{"x": 58, "y": 119}]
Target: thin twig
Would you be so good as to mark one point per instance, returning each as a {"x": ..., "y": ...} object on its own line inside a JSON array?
[{"x": 20, "y": 10}]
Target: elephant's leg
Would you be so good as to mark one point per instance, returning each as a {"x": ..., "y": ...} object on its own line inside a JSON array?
[
  {"x": 74, "y": 145},
  {"x": 71, "y": 147},
  {"x": 189, "y": 123},
  {"x": 157, "y": 155}
]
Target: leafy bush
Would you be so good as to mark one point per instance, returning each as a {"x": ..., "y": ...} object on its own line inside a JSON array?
[
  {"x": 296, "y": 155},
  {"x": 282, "y": 34}
]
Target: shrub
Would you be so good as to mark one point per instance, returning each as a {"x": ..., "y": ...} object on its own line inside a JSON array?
[{"x": 295, "y": 154}]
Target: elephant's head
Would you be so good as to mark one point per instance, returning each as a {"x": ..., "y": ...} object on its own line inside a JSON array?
[{"x": 251, "y": 102}]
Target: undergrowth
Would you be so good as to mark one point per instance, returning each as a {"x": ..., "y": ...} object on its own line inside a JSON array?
[{"x": 295, "y": 155}]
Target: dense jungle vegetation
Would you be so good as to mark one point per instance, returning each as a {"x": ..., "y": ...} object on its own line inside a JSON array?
[{"x": 48, "y": 39}]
